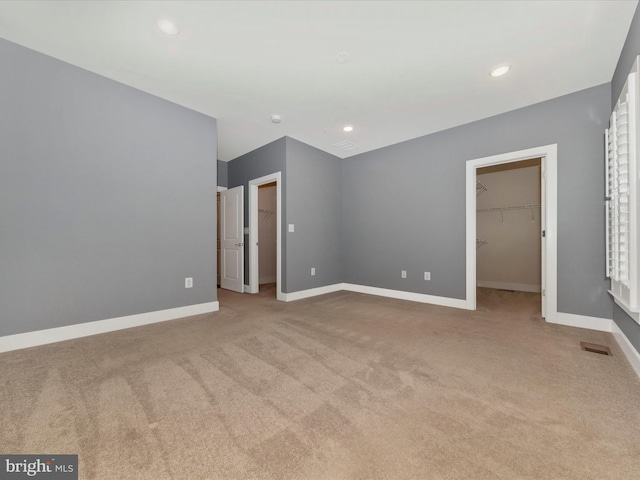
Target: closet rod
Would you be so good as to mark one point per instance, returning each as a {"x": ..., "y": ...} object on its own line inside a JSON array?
[{"x": 501, "y": 209}]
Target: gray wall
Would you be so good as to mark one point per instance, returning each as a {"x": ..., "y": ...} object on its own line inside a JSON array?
[
  {"x": 270, "y": 158},
  {"x": 107, "y": 197},
  {"x": 311, "y": 200},
  {"x": 628, "y": 326},
  {"x": 314, "y": 206},
  {"x": 629, "y": 53},
  {"x": 223, "y": 174},
  {"x": 404, "y": 205}
]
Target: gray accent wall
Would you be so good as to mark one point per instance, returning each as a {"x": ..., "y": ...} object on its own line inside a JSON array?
[
  {"x": 629, "y": 53},
  {"x": 314, "y": 206},
  {"x": 223, "y": 174},
  {"x": 404, "y": 205},
  {"x": 628, "y": 326},
  {"x": 107, "y": 197}
]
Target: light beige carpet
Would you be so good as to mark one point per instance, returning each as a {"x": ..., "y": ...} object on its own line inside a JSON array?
[{"x": 342, "y": 386}]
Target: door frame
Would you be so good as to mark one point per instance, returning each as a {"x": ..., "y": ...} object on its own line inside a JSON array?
[
  {"x": 254, "y": 281},
  {"x": 549, "y": 155}
]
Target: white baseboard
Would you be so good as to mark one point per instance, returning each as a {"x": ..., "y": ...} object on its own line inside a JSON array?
[
  {"x": 603, "y": 325},
  {"x": 381, "y": 292},
  {"x": 401, "y": 295},
  {"x": 629, "y": 350},
  {"x": 59, "y": 334},
  {"x": 583, "y": 321},
  {"x": 312, "y": 292},
  {"x": 518, "y": 287}
]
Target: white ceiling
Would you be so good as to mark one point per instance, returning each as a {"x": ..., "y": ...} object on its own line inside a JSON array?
[{"x": 415, "y": 67}]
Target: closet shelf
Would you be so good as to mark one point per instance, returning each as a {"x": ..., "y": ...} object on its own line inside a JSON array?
[
  {"x": 502, "y": 209},
  {"x": 267, "y": 215},
  {"x": 480, "y": 188}
]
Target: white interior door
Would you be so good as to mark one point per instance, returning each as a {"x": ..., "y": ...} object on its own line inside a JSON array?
[
  {"x": 218, "y": 263},
  {"x": 232, "y": 239},
  {"x": 543, "y": 233}
]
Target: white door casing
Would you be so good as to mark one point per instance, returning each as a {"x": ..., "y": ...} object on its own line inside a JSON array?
[
  {"x": 253, "y": 232},
  {"x": 549, "y": 202},
  {"x": 232, "y": 239}
]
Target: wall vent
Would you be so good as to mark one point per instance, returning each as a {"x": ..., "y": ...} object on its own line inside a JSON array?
[
  {"x": 346, "y": 145},
  {"x": 594, "y": 348}
]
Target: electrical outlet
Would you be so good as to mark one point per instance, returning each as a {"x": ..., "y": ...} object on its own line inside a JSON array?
[
  {"x": 403, "y": 274},
  {"x": 292, "y": 228},
  {"x": 427, "y": 275},
  {"x": 188, "y": 282},
  {"x": 313, "y": 271}
]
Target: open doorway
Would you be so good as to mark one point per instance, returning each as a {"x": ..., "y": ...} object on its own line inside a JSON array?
[
  {"x": 508, "y": 226},
  {"x": 267, "y": 238},
  {"x": 548, "y": 222},
  {"x": 509, "y": 235},
  {"x": 218, "y": 232},
  {"x": 265, "y": 215}
]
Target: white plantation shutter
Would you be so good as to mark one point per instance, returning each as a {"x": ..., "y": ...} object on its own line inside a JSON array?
[{"x": 622, "y": 205}]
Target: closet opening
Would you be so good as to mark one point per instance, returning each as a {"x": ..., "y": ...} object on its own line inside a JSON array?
[
  {"x": 509, "y": 234},
  {"x": 504, "y": 212},
  {"x": 265, "y": 235},
  {"x": 267, "y": 239}
]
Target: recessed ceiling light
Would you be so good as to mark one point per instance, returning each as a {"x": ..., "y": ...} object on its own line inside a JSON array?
[
  {"x": 347, "y": 128},
  {"x": 167, "y": 26},
  {"x": 499, "y": 70},
  {"x": 343, "y": 57}
]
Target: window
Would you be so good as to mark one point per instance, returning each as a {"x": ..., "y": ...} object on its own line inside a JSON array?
[{"x": 622, "y": 197}]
